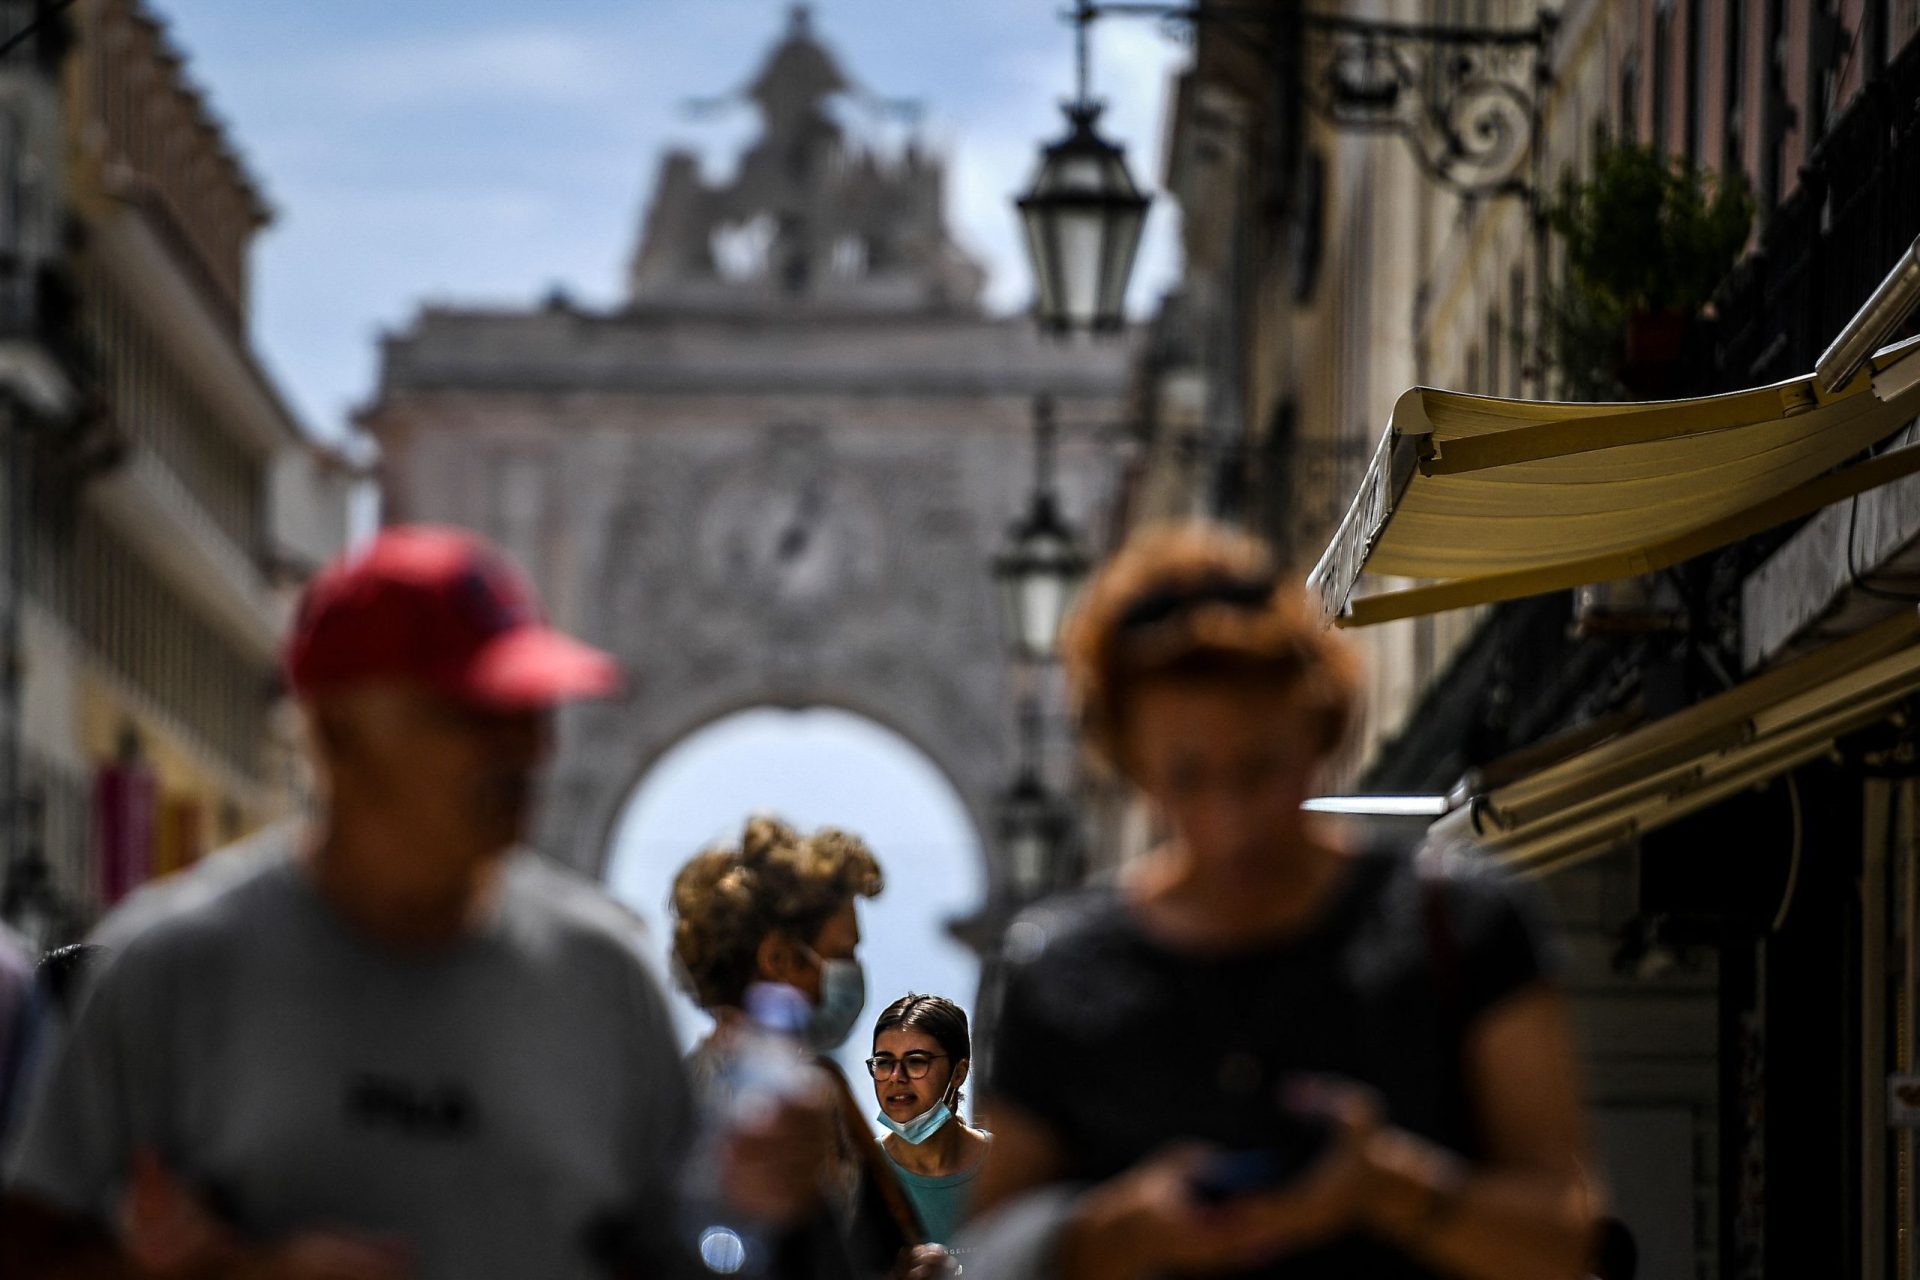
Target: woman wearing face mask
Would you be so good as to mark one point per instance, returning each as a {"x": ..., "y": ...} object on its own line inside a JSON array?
[
  {"x": 921, "y": 1056},
  {"x": 1272, "y": 1047},
  {"x": 779, "y": 908}
]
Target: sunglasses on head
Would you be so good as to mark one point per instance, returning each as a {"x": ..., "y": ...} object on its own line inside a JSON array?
[{"x": 1170, "y": 602}]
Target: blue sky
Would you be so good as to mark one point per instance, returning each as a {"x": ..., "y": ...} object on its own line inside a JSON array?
[{"x": 486, "y": 151}]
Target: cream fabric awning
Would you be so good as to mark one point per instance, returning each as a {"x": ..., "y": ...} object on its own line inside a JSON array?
[
  {"x": 1488, "y": 499},
  {"x": 1608, "y": 796}
]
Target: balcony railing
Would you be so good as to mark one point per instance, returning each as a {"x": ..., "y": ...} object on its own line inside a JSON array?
[
  {"x": 151, "y": 402},
  {"x": 1825, "y": 248},
  {"x": 135, "y": 624}
]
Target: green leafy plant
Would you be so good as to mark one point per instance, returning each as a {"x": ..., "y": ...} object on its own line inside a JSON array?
[
  {"x": 1648, "y": 239},
  {"x": 1584, "y": 341},
  {"x": 1649, "y": 232}
]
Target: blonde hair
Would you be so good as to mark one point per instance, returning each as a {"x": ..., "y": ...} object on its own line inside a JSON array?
[
  {"x": 1199, "y": 601},
  {"x": 728, "y": 898}
]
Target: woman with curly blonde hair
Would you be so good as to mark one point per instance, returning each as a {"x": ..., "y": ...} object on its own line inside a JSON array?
[
  {"x": 779, "y": 908},
  {"x": 1273, "y": 1048}
]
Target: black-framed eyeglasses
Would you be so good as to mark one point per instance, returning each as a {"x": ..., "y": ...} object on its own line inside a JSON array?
[{"x": 917, "y": 1065}]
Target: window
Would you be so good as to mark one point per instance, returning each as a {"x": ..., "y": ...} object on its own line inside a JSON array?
[
  {"x": 1827, "y": 54},
  {"x": 138, "y": 627},
  {"x": 1775, "y": 110},
  {"x": 1733, "y": 151},
  {"x": 1630, "y": 98},
  {"x": 1662, "y": 71},
  {"x": 1696, "y": 86},
  {"x": 159, "y": 406}
]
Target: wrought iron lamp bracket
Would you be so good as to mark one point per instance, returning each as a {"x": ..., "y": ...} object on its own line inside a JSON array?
[{"x": 1465, "y": 99}]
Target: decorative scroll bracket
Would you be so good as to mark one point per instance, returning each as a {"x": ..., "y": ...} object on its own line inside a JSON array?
[{"x": 1465, "y": 99}]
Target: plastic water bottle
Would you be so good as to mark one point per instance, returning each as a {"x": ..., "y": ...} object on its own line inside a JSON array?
[{"x": 766, "y": 1065}]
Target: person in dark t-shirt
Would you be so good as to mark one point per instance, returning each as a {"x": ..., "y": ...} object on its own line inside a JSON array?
[{"x": 1269, "y": 1048}]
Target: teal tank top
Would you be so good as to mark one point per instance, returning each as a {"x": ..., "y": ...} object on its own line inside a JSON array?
[{"x": 941, "y": 1202}]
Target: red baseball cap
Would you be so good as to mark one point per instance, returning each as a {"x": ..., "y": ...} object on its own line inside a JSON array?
[{"x": 444, "y": 607}]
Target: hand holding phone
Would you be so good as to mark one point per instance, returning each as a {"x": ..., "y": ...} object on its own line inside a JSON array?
[{"x": 1304, "y": 1137}]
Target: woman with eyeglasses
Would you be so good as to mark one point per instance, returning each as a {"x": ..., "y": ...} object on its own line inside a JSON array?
[
  {"x": 1273, "y": 1047},
  {"x": 921, "y": 1057}
]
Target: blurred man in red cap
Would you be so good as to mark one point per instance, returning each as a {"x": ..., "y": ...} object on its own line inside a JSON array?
[{"x": 387, "y": 1043}]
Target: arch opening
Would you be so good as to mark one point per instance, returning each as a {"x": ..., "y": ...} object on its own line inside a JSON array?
[{"x": 817, "y": 766}]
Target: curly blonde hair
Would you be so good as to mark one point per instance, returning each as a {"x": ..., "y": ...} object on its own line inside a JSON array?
[
  {"x": 727, "y": 898},
  {"x": 1198, "y": 601}
]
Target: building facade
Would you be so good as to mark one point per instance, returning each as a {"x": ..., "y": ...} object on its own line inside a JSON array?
[
  {"x": 165, "y": 506},
  {"x": 778, "y": 474},
  {"x": 1739, "y": 939}
]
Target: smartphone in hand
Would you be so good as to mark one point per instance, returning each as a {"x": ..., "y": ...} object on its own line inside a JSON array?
[{"x": 1228, "y": 1175}]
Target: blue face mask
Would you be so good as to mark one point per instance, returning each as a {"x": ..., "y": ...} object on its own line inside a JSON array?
[
  {"x": 922, "y": 1126},
  {"x": 843, "y": 994}
]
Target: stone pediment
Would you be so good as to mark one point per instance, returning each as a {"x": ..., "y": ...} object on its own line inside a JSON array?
[{"x": 813, "y": 217}]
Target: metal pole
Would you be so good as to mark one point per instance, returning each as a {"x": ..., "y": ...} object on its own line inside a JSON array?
[
  {"x": 1083, "y": 16},
  {"x": 1876, "y": 321},
  {"x": 17, "y": 455},
  {"x": 1046, "y": 435},
  {"x": 1030, "y": 722}
]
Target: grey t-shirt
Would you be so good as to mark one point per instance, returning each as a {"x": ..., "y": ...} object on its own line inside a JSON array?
[{"x": 497, "y": 1107}]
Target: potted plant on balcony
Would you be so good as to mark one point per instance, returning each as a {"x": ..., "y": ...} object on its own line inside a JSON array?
[{"x": 1648, "y": 239}]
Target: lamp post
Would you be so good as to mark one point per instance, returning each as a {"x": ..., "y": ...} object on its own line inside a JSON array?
[
  {"x": 1083, "y": 215},
  {"x": 1040, "y": 573},
  {"x": 1044, "y": 564},
  {"x": 1035, "y": 825}
]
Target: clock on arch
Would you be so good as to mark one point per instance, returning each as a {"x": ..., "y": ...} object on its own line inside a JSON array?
[{"x": 792, "y": 526}]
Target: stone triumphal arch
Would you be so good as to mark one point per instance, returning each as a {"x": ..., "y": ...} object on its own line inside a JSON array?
[{"x": 777, "y": 473}]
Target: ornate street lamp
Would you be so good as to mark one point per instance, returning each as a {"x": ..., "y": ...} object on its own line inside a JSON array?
[
  {"x": 1035, "y": 825},
  {"x": 1083, "y": 216},
  {"x": 1044, "y": 565}
]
